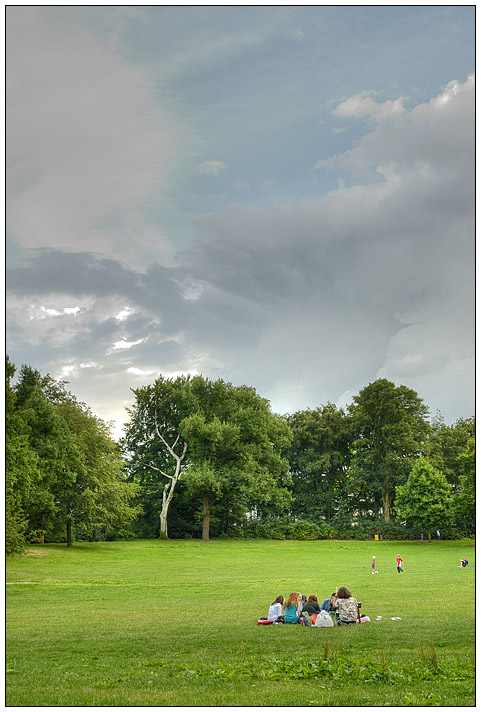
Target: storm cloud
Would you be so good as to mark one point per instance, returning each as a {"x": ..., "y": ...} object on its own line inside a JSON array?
[{"x": 306, "y": 300}]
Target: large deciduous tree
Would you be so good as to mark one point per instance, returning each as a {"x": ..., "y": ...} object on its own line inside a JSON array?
[
  {"x": 222, "y": 439},
  {"x": 390, "y": 429},
  {"x": 235, "y": 445},
  {"x": 319, "y": 457},
  {"x": 447, "y": 443},
  {"x": 79, "y": 476},
  {"x": 54, "y": 446},
  {"x": 424, "y": 502},
  {"x": 153, "y": 442},
  {"x": 98, "y": 498},
  {"x": 465, "y": 497},
  {"x": 21, "y": 469}
]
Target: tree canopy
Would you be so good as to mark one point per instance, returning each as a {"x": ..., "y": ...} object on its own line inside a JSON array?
[
  {"x": 63, "y": 468},
  {"x": 390, "y": 430},
  {"x": 223, "y": 440},
  {"x": 204, "y": 458},
  {"x": 235, "y": 450},
  {"x": 319, "y": 458},
  {"x": 424, "y": 501}
]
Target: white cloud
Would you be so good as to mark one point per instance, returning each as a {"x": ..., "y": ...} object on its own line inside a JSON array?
[
  {"x": 359, "y": 106},
  {"x": 212, "y": 168},
  {"x": 140, "y": 371},
  {"x": 124, "y": 314},
  {"x": 123, "y": 344}
]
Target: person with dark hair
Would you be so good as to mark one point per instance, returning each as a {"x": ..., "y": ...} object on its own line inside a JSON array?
[
  {"x": 311, "y": 606},
  {"x": 328, "y": 604},
  {"x": 275, "y": 609},
  {"x": 348, "y": 607}
]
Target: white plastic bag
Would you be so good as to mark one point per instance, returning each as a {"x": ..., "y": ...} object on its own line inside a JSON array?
[{"x": 324, "y": 620}]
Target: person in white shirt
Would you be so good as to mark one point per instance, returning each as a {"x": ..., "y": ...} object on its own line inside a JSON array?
[{"x": 275, "y": 609}]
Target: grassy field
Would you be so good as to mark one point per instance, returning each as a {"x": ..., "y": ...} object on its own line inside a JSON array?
[{"x": 153, "y": 623}]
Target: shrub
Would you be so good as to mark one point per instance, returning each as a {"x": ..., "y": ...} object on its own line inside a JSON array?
[
  {"x": 269, "y": 528},
  {"x": 304, "y": 530},
  {"x": 15, "y": 525},
  {"x": 327, "y": 531}
]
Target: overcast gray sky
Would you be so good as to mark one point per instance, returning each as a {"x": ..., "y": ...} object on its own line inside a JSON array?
[{"x": 278, "y": 196}]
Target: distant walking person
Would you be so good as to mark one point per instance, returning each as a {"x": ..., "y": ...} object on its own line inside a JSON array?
[
  {"x": 399, "y": 561},
  {"x": 373, "y": 565},
  {"x": 422, "y": 537},
  {"x": 438, "y": 534}
]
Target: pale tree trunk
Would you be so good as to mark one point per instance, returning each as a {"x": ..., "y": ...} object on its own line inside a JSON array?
[
  {"x": 169, "y": 488},
  {"x": 386, "y": 506},
  {"x": 167, "y": 495}
]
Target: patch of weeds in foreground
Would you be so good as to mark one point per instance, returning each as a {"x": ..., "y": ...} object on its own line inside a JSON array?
[
  {"x": 422, "y": 700},
  {"x": 331, "y": 670}
]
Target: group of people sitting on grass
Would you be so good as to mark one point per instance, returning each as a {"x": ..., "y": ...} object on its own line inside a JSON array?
[{"x": 341, "y": 606}]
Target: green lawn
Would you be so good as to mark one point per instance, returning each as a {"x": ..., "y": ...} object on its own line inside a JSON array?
[{"x": 153, "y": 623}]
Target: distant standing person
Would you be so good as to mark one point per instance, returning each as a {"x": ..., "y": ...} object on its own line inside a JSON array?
[
  {"x": 422, "y": 537},
  {"x": 373, "y": 565},
  {"x": 438, "y": 534},
  {"x": 399, "y": 561}
]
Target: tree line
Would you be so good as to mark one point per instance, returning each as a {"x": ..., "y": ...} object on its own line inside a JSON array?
[{"x": 202, "y": 458}]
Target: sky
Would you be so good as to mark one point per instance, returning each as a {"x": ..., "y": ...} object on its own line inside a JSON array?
[{"x": 279, "y": 196}]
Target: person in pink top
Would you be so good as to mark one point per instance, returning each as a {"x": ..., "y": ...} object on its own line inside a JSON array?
[{"x": 399, "y": 561}]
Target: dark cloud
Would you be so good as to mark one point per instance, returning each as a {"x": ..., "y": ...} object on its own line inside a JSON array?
[
  {"x": 306, "y": 302},
  {"x": 75, "y": 273}
]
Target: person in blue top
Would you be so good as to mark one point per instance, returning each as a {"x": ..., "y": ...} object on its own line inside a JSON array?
[
  {"x": 292, "y": 611},
  {"x": 329, "y": 604}
]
